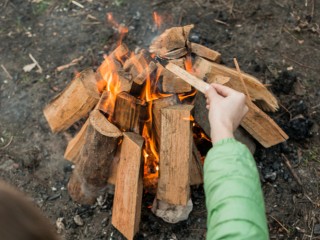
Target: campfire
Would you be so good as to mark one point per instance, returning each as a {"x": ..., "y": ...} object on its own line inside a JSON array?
[{"x": 140, "y": 127}]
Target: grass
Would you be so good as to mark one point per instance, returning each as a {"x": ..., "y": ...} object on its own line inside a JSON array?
[{"x": 38, "y": 8}]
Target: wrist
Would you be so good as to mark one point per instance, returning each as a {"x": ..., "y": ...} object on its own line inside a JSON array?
[{"x": 218, "y": 134}]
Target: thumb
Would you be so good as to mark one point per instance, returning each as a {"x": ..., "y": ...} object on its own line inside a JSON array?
[{"x": 211, "y": 93}]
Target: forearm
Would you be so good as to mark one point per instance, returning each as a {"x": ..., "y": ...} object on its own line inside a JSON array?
[{"x": 233, "y": 193}]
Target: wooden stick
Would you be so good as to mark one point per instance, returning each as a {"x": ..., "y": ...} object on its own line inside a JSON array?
[
  {"x": 241, "y": 78},
  {"x": 197, "y": 83},
  {"x": 294, "y": 174},
  {"x": 175, "y": 155},
  {"x": 171, "y": 83},
  {"x": 128, "y": 192},
  {"x": 89, "y": 178}
]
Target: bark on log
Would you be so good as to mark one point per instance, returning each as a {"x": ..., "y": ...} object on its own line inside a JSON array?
[
  {"x": 89, "y": 178},
  {"x": 128, "y": 192},
  {"x": 175, "y": 155},
  {"x": 74, "y": 103}
]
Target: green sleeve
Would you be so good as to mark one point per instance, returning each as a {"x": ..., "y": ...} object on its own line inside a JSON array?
[{"x": 233, "y": 192}]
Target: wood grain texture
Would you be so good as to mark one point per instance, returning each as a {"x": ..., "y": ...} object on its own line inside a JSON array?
[
  {"x": 175, "y": 155},
  {"x": 74, "y": 103},
  {"x": 128, "y": 192}
]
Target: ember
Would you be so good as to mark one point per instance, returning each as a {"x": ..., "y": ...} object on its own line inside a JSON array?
[{"x": 139, "y": 131}]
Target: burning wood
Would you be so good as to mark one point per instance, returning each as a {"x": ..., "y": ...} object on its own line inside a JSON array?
[{"x": 131, "y": 93}]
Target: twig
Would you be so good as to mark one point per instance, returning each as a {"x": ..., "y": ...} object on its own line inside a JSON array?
[
  {"x": 221, "y": 22},
  {"x": 241, "y": 78},
  {"x": 280, "y": 224},
  {"x": 77, "y": 4},
  {"x": 7, "y": 145},
  {"x": 300, "y": 64},
  {"x": 6, "y": 71},
  {"x": 72, "y": 63},
  {"x": 36, "y": 62},
  {"x": 294, "y": 174},
  {"x": 315, "y": 106}
]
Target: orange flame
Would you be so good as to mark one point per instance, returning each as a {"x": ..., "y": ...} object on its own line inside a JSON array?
[
  {"x": 158, "y": 20},
  {"x": 110, "y": 81},
  {"x": 119, "y": 27},
  {"x": 183, "y": 96},
  {"x": 188, "y": 64}
]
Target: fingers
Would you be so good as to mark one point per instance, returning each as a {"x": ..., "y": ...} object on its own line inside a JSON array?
[
  {"x": 211, "y": 94},
  {"x": 223, "y": 90}
]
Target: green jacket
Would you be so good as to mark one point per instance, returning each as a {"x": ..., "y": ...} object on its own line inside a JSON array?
[{"x": 234, "y": 197}]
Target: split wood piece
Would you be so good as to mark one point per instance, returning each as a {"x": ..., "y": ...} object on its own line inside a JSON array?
[
  {"x": 74, "y": 103},
  {"x": 121, "y": 51},
  {"x": 89, "y": 178},
  {"x": 75, "y": 144},
  {"x": 171, "y": 39},
  {"x": 137, "y": 63},
  {"x": 201, "y": 117},
  {"x": 125, "y": 81},
  {"x": 256, "y": 122},
  {"x": 177, "y": 53},
  {"x": 196, "y": 167},
  {"x": 171, "y": 83},
  {"x": 205, "y": 52},
  {"x": 142, "y": 77},
  {"x": 104, "y": 104},
  {"x": 126, "y": 212},
  {"x": 175, "y": 155},
  {"x": 262, "y": 127},
  {"x": 157, "y": 105},
  {"x": 258, "y": 92},
  {"x": 130, "y": 113}
]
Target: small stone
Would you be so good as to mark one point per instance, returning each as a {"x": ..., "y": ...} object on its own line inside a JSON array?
[
  {"x": 271, "y": 176},
  {"x": 78, "y": 220},
  {"x": 60, "y": 225},
  {"x": 54, "y": 189},
  {"x": 316, "y": 230}
]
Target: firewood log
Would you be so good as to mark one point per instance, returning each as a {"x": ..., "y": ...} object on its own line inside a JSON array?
[
  {"x": 157, "y": 105},
  {"x": 205, "y": 52},
  {"x": 196, "y": 167},
  {"x": 74, "y": 103},
  {"x": 92, "y": 170},
  {"x": 127, "y": 202},
  {"x": 130, "y": 113},
  {"x": 175, "y": 155},
  {"x": 171, "y": 39}
]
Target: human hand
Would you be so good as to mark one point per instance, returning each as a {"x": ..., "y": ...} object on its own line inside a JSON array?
[{"x": 226, "y": 109}]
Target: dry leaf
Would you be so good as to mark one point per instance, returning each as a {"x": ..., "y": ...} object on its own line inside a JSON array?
[{"x": 29, "y": 67}]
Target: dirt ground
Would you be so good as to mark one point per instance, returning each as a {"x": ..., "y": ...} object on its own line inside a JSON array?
[{"x": 276, "y": 41}]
